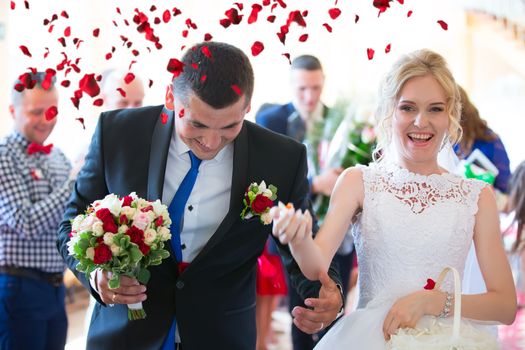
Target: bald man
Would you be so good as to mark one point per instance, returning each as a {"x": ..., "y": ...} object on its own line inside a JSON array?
[{"x": 112, "y": 81}]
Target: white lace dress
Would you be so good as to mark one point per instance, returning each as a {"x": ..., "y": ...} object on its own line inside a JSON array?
[{"x": 410, "y": 228}]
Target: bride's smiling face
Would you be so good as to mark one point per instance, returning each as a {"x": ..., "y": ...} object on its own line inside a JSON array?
[{"x": 420, "y": 123}]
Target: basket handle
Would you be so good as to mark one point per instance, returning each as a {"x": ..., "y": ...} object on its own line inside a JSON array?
[{"x": 457, "y": 298}]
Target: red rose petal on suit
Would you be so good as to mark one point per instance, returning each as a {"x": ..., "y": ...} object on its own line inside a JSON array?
[
  {"x": 387, "y": 48},
  {"x": 181, "y": 112},
  {"x": 81, "y": 120},
  {"x": 89, "y": 85},
  {"x": 175, "y": 67},
  {"x": 203, "y": 78},
  {"x": 13, "y": 5},
  {"x": 51, "y": 113},
  {"x": 334, "y": 12},
  {"x": 166, "y": 16},
  {"x": 206, "y": 51},
  {"x": 122, "y": 92},
  {"x": 370, "y": 53},
  {"x": 257, "y": 48},
  {"x": 256, "y": 8},
  {"x": 96, "y": 32},
  {"x": 356, "y": 18},
  {"x": 443, "y": 24},
  {"x": 236, "y": 89},
  {"x": 207, "y": 37},
  {"x": 328, "y": 27},
  {"x": 303, "y": 38},
  {"x": 25, "y": 50},
  {"x": 195, "y": 65},
  {"x": 65, "y": 83},
  {"x": 129, "y": 78},
  {"x": 164, "y": 117},
  {"x": 67, "y": 32},
  {"x": 409, "y": 13}
]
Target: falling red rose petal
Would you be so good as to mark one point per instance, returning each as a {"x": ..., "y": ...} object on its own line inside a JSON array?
[
  {"x": 81, "y": 120},
  {"x": 401, "y": 1},
  {"x": 64, "y": 14},
  {"x": 150, "y": 83},
  {"x": 271, "y": 18},
  {"x": 164, "y": 117},
  {"x": 334, "y": 13},
  {"x": 118, "y": 10},
  {"x": 26, "y": 4},
  {"x": 48, "y": 79},
  {"x": 62, "y": 41},
  {"x": 239, "y": 5},
  {"x": 303, "y": 38},
  {"x": 51, "y": 113},
  {"x": 356, "y": 18},
  {"x": 236, "y": 89},
  {"x": 98, "y": 102},
  {"x": 156, "y": 20},
  {"x": 181, "y": 112},
  {"x": 89, "y": 85},
  {"x": 256, "y": 8},
  {"x": 166, "y": 16},
  {"x": 108, "y": 56},
  {"x": 13, "y": 5},
  {"x": 409, "y": 13},
  {"x": 129, "y": 78},
  {"x": 328, "y": 27},
  {"x": 122, "y": 92},
  {"x": 382, "y": 5},
  {"x": 225, "y": 22},
  {"x": 176, "y": 11},
  {"x": 233, "y": 16},
  {"x": 96, "y": 32},
  {"x": 25, "y": 50},
  {"x": 287, "y": 55},
  {"x": 387, "y": 48},
  {"x": 67, "y": 32},
  {"x": 185, "y": 33},
  {"x": 207, "y": 37},
  {"x": 297, "y": 17},
  {"x": 370, "y": 53},
  {"x": 175, "y": 67},
  {"x": 65, "y": 83},
  {"x": 257, "y": 48},
  {"x": 443, "y": 24},
  {"x": 305, "y": 13},
  {"x": 281, "y": 2}
]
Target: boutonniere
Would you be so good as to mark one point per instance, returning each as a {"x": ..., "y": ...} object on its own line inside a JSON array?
[
  {"x": 258, "y": 200},
  {"x": 36, "y": 174}
]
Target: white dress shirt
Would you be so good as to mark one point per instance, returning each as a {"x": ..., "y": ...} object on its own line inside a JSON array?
[{"x": 210, "y": 198}]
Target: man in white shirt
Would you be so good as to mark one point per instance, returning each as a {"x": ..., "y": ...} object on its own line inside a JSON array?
[{"x": 209, "y": 294}]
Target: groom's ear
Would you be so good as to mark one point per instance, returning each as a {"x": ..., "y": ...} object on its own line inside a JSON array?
[{"x": 169, "y": 99}]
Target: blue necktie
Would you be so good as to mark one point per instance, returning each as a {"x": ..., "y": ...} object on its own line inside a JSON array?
[{"x": 176, "y": 211}]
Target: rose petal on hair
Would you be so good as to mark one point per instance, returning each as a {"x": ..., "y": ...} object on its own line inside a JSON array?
[
  {"x": 206, "y": 51},
  {"x": 443, "y": 24},
  {"x": 129, "y": 78},
  {"x": 207, "y": 37},
  {"x": 257, "y": 48},
  {"x": 303, "y": 38},
  {"x": 370, "y": 53},
  {"x": 25, "y": 50},
  {"x": 98, "y": 102},
  {"x": 48, "y": 79},
  {"x": 164, "y": 117},
  {"x": 166, "y": 16},
  {"x": 236, "y": 89},
  {"x": 328, "y": 27},
  {"x": 181, "y": 113},
  {"x": 387, "y": 48},
  {"x": 51, "y": 113},
  {"x": 89, "y": 85},
  {"x": 334, "y": 13}
]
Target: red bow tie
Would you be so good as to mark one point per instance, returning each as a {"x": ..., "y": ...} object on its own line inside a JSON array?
[{"x": 36, "y": 147}]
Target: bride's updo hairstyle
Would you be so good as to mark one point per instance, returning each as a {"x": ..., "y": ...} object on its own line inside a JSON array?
[{"x": 411, "y": 65}]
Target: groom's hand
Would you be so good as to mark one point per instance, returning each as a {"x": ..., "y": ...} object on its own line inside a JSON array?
[
  {"x": 129, "y": 292},
  {"x": 325, "y": 309}
]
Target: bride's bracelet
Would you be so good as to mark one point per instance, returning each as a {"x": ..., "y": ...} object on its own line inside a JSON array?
[{"x": 448, "y": 303}]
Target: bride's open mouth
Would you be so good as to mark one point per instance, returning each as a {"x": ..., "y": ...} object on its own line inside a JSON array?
[{"x": 420, "y": 137}]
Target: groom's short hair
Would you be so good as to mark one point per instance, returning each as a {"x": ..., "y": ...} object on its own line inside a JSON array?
[{"x": 217, "y": 73}]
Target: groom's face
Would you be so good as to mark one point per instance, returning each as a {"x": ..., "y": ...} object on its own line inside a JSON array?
[{"x": 206, "y": 130}]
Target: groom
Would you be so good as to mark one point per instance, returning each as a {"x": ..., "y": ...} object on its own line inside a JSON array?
[{"x": 205, "y": 299}]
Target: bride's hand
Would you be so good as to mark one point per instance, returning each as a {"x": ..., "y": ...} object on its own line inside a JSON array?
[
  {"x": 289, "y": 225},
  {"x": 405, "y": 313}
]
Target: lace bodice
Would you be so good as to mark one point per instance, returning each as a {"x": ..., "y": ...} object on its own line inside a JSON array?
[{"x": 410, "y": 228}]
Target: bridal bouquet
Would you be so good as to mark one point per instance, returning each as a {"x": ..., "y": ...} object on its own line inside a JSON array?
[{"x": 123, "y": 236}]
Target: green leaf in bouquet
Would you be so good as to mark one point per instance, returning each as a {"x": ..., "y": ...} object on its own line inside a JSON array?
[
  {"x": 135, "y": 253},
  {"x": 274, "y": 192},
  {"x": 114, "y": 281},
  {"x": 143, "y": 276},
  {"x": 82, "y": 244},
  {"x": 164, "y": 253},
  {"x": 123, "y": 241},
  {"x": 81, "y": 267}
]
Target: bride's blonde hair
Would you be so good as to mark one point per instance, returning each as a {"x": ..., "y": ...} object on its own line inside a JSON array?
[{"x": 411, "y": 65}]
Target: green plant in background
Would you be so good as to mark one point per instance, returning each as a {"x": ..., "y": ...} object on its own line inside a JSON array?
[{"x": 351, "y": 139}]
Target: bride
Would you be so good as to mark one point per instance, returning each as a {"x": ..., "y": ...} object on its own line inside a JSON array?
[{"x": 410, "y": 217}]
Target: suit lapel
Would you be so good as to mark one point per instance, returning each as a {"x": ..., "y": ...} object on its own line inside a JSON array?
[
  {"x": 238, "y": 187},
  {"x": 158, "y": 155}
]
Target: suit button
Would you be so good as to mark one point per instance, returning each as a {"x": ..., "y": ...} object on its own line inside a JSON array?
[{"x": 180, "y": 284}]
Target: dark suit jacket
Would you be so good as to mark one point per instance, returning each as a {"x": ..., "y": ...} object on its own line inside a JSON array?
[{"x": 214, "y": 298}]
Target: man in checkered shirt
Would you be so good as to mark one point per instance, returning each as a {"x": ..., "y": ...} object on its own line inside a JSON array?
[{"x": 34, "y": 188}]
